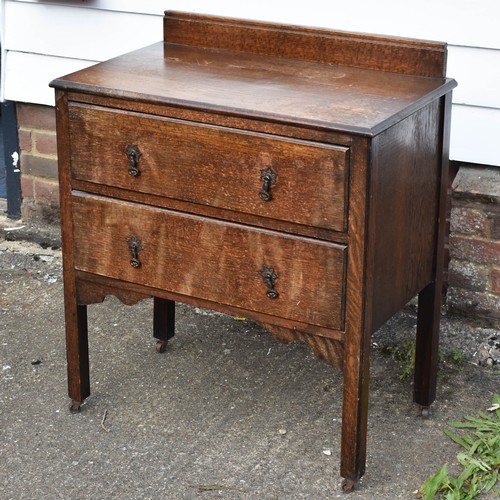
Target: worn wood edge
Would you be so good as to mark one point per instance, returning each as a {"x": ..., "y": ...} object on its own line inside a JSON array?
[
  {"x": 448, "y": 85},
  {"x": 226, "y": 112},
  {"x": 105, "y": 92},
  {"x": 254, "y": 221},
  {"x": 331, "y": 351},
  {"x": 202, "y": 218},
  {"x": 382, "y": 52},
  {"x": 292, "y": 131}
]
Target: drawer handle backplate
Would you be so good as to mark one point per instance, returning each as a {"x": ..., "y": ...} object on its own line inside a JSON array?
[
  {"x": 269, "y": 278},
  {"x": 133, "y": 154},
  {"x": 268, "y": 178},
  {"x": 135, "y": 246}
]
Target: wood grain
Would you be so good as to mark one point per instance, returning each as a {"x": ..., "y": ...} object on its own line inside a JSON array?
[
  {"x": 405, "y": 175},
  {"x": 358, "y": 309},
  {"x": 329, "y": 350},
  {"x": 89, "y": 292},
  {"x": 212, "y": 166},
  {"x": 381, "y": 53},
  {"x": 215, "y": 261}
]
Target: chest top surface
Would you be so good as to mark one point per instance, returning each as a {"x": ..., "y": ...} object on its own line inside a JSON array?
[{"x": 270, "y": 85}]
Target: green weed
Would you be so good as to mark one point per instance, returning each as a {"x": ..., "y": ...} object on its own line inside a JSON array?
[
  {"x": 405, "y": 356},
  {"x": 480, "y": 437}
]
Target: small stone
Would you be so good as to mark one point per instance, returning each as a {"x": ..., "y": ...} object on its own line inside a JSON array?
[
  {"x": 327, "y": 452},
  {"x": 282, "y": 431}
]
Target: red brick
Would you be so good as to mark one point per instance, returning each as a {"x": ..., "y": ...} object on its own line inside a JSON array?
[
  {"x": 495, "y": 280},
  {"x": 49, "y": 214},
  {"x": 478, "y": 184},
  {"x": 478, "y": 250},
  {"x": 469, "y": 220},
  {"x": 45, "y": 143},
  {"x": 25, "y": 140},
  {"x": 35, "y": 116},
  {"x": 468, "y": 275},
  {"x": 27, "y": 187},
  {"x": 495, "y": 227},
  {"x": 28, "y": 209},
  {"x": 46, "y": 192},
  {"x": 39, "y": 166}
]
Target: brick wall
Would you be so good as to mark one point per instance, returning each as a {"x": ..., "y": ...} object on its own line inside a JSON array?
[
  {"x": 37, "y": 141},
  {"x": 474, "y": 272}
]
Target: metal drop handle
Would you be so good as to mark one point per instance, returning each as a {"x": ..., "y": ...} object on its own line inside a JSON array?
[
  {"x": 133, "y": 154},
  {"x": 269, "y": 278},
  {"x": 135, "y": 246},
  {"x": 268, "y": 178}
]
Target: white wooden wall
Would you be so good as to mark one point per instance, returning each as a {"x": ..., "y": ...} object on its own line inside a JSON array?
[{"x": 44, "y": 39}]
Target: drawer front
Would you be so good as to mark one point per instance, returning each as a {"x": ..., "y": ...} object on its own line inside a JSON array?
[
  {"x": 285, "y": 276},
  {"x": 296, "y": 181}
]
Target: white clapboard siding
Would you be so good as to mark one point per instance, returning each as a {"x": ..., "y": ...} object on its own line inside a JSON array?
[
  {"x": 77, "y": 33},
  {"x": 145, "y": 7},
  {"x": 475, "y": 135},
  {"x": 477, "y": 72},
  {"x": 35, "y": 71},
  {"x": 458, "y": 22}
]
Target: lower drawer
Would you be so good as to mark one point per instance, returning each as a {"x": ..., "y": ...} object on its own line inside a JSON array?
[{"x": 290, "y": 277}]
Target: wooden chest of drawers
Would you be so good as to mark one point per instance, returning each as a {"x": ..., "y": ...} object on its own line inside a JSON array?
[{"x": 294, "y": 176}]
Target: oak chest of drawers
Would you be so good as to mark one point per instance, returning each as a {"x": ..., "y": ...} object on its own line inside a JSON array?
[{"x": 294, "y": 176}]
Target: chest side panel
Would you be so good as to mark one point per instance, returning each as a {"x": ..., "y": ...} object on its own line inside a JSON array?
[{"x": 405, "y": 180}]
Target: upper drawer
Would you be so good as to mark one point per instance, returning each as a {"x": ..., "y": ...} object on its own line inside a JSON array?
[{"x": 292, "y": 180}]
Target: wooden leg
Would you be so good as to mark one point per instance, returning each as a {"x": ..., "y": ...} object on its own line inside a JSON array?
[
  {"x": 427, "y": 343},
  {"x": 163, "y": 322},
  {"x": 354, "y": 412},
  {"x": 77, "y": 353}
]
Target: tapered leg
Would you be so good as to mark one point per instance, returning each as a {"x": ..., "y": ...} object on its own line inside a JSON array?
[
  {"x": 427, "y": 343},
  {"x": 163, "y": 322},
  {"x": 358, "y": 325},
  {"x": 77, "y": 353},
  {"x": 355, "y": 406}
]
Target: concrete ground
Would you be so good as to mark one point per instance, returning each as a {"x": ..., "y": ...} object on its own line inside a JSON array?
[{"x": 226, "y": 412}]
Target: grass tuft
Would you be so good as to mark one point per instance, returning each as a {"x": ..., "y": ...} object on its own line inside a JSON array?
[{"x": 480, "y": 460}]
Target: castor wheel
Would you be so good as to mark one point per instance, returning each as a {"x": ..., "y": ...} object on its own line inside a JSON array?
[
  {"x": 75, "y": 407},
  {"x": 348, "y": 485},
  {"x": 161, "y": 345},
  {"x": 425, "y": 412}
]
